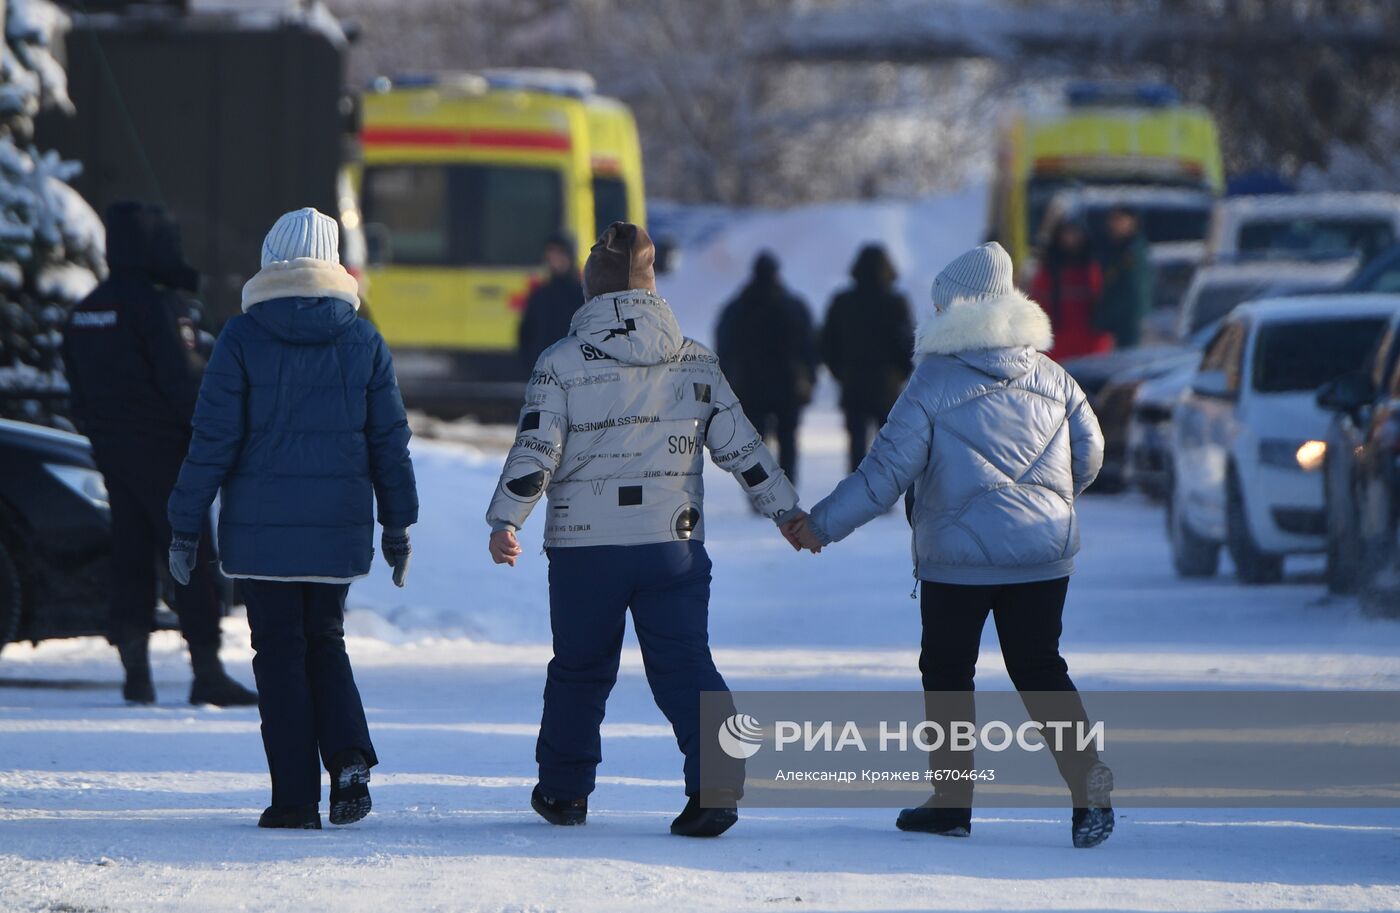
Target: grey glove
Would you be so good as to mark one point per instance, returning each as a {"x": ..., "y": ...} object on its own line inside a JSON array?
[
  {"x": 397, "y": 551},
  {"x": 184, "y": 551}
]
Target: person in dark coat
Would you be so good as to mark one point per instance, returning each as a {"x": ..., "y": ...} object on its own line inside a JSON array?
[
  {"x": 301, "y": 428},
  {"x": 552, "y": 303},
  {"x": 1127, "y": 279},
  {"x": 1068, "y": 286},
  {"x": 128, "y": 350},
  {"x": 767, "y": 348},
  {"x": 867, "y": 343}
]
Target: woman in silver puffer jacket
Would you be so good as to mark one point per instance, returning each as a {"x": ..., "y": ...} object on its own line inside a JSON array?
[{"x": 996, "y": 441}]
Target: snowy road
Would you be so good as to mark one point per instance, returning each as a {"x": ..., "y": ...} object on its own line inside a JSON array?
[{"x": 107, "y": 808}]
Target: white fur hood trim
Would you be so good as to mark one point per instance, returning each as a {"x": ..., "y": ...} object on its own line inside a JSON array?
[
  {"x": 984, "y": 323},
  {"x": 301, "y": 278}
]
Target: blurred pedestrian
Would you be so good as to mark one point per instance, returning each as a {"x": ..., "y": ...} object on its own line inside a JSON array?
[
  {"x": 551, "y": 304},
  {"x": 616, "y": 421},
  {"x": 1126, "y": 262},
  {"x": 1068, "y": 286},
  {"x": 997, "y": 442},
  {"x": 767, "y": 348},
  {"x": 867, "y": 343},
  {"x": 301, "y": 429},
  {"x": 130, "y": 350}
]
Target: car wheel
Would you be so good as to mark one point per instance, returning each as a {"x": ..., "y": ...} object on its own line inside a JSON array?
[
  {"x": 1252, "y": 565},
  {"x": 1192, "y": 555},
  {"x": 10, "y": 594}
]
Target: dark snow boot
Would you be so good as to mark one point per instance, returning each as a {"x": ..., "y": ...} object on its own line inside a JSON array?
[
  {"x": 945, "y": 822},
  {"x": 1092, "y": 824},
  {"x": 695, "y": 821},
  {"x": 291, "y": 817},
  {"x": 136, "y": 663},
  {"x": 563, "y": 812},
  {"x": 350, "y": 800},
  {"x": 221, "y": 692},
  {"x": 212, "y": 684}
]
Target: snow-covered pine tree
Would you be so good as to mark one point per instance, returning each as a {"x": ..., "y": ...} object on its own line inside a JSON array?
[{"x": 51, "y": 242}]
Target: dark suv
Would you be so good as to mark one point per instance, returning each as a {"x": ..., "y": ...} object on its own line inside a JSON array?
[
  {"x": 55, "y": 535},
  {"x": 56, "y": 539},
  {"x": 1361, "y": 478}
]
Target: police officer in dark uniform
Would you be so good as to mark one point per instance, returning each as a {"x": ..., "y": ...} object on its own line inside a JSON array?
[{"x": 129, "y": 349}]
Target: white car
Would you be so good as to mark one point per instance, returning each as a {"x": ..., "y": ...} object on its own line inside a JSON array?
[
  {"x": 1217, "y": 288},
  {"x": 1247, "y": 436},
  {"x": 1303, "y": 226}
]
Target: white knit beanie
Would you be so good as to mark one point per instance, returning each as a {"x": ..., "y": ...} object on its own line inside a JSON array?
[
  {"x": 303, "y": 233},
  {"x": 983, "y": 272}
]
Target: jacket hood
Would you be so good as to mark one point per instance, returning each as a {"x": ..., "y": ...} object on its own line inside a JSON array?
[
  {"x": 308, "y": 321},
  {"x": 1006, "y": 363},
  {"x": 144, "y": 239},
  {"x": 636, "y": 327},
  {"x": 994, "y": 322},
  {"x": 873, "y": 268},
  {"x": 301, "y": 278}
]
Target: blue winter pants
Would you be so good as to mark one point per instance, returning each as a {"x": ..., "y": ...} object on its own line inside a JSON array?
[
  {"x": 667, "y": 587},
  {"x": 306, "y": 692}
]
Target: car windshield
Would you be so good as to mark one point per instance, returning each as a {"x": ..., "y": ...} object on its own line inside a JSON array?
[
  {"x": 1215, "y": 301},
  {"x": 1160, "y": 224},
  {"x": 1308, "y": 238},
  {"x": 1292, "y": 357},
  {"x": 1385, "y": 279},
  {"x": 462, "y": 215}
]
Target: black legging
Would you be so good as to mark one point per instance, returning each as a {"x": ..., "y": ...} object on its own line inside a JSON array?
[{"x": 1028, "y": 621}]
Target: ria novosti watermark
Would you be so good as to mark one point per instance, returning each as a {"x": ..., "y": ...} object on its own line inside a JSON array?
[
  {"x": 741, "y": 736},
  {"x": 1168, "y": 749}
]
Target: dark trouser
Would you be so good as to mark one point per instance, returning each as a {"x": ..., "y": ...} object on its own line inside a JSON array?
[
  {"x": 781, "y": 425},
  {"x": 138, "y": 486},
  {"x": 858, "y": 424},
  {"x": 306, "y": 692},
  {"x": 667, "y": 587},
  {"x": 1027, "y": 617}
]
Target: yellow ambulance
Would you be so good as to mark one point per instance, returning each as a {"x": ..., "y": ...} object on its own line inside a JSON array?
[
  {"x": 1100, "y": 134},
  {"x": 465, "y": 177}
]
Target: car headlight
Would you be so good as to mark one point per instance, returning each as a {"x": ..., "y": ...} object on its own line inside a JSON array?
[
  {"x": 1291, "y": 454},
  {"x": 1310, "y": 454},
  {"x": 85, "y": 483}
]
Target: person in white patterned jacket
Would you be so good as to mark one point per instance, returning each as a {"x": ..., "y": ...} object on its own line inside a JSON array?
[{"x": 616, "y": 420}]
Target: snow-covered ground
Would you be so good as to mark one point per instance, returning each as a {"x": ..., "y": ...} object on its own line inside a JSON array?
[{"x": 109, "y": 808}]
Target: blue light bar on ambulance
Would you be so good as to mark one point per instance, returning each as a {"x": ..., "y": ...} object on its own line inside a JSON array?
[{"x": 1144, "y": 95}]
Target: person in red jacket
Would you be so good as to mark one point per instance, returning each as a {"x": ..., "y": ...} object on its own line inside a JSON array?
[{"x": 1068, "y": 286}]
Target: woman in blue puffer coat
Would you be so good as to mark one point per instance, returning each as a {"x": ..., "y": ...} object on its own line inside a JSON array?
[
  {"x": 300, "y": 423},
  {"x": 996, "y": 441}
]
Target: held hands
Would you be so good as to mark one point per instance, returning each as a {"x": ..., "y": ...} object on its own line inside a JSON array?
[
  {"x": 798, "y": 532},
  {"x": 504, "y": 547}
]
